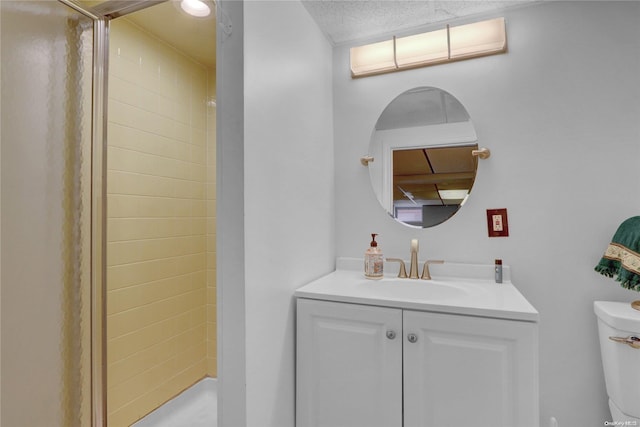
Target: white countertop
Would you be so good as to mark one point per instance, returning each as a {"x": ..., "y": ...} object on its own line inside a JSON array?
[{"x": 465, "y": 289}]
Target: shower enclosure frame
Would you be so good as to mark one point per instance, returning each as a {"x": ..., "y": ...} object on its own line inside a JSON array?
[
  {"x": 98, "y": 211},
  {"x": 101, "y": 15}
]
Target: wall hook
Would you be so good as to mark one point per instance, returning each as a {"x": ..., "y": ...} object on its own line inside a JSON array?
[
  {"x": 366, "y": 160},
  {"x": 483, "y": 153}
]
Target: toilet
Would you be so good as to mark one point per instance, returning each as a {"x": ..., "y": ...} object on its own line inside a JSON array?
[{"x": 621, "y": 362}]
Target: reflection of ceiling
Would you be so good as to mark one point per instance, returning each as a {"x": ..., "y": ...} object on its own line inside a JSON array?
[
  {"x": 420, "y": 173},
  {"x": 422, "y": 106}
]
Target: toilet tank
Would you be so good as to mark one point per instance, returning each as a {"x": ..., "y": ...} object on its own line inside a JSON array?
[{"x": 621, "y": 362}]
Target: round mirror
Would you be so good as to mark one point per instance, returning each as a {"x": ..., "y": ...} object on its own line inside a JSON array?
[{"x": 422, "y": 169}]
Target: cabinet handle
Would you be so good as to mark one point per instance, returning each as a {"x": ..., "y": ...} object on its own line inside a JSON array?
[
  {"x": 633, "y": 342},
  {"x": 391, "y": 334},
  {"x": 412, "y": 338}
]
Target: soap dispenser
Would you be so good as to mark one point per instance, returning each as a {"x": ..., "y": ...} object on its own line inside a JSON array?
[{"x": 373, "y": 260}]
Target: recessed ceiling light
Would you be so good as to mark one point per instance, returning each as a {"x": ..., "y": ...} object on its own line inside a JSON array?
[{"x": 195, "y": 8}]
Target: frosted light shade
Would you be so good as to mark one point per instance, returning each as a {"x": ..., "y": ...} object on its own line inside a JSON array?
[
  {"x": 434, "y": 47},
  {"x": 478, "y": 39},
  {"x": 422, "y": 49},
  {"x": 372, "y": 58}
]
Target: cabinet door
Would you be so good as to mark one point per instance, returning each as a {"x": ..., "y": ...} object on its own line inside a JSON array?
[
  {"x": 469, "y": 371},
  {"x": 349, "y": 365}
]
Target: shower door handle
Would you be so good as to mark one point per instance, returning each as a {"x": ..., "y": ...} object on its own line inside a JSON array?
[{"x": 631, "y": 341}]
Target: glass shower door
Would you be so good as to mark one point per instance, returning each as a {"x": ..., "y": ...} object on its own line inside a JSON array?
[{"x": 45, "y": 184}]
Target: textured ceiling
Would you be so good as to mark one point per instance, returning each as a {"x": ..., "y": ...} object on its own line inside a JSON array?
[
  {"x": 342, "y": 21},
  {"x": 345, "y": 21}
]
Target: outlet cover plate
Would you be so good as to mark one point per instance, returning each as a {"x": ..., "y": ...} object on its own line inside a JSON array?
[{"x": 497, "y": 223}]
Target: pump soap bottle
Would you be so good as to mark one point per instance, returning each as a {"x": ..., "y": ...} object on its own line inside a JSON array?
[{"x": 373, "y": 260}]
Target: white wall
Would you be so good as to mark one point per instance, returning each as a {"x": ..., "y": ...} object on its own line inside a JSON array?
[
  {"x": 230, "y": 217},
  {"x": 0, "y": 241},
  {"x": 560, "y": 112},
  {"x": 288, "y": 192}
]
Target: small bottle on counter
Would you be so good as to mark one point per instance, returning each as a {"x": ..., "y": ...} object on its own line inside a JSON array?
[
  {"x": 373, "y": 260},
  {"x": 498, "y": 271}
]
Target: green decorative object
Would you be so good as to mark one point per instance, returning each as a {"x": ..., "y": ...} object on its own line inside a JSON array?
[{"x": 622, "y": 257}]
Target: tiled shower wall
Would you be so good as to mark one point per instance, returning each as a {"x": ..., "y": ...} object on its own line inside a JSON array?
[{"x": 161, "y": 224}]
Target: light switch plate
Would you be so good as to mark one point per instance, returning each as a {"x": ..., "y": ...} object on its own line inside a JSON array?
[{"x": 497, "y": 223}]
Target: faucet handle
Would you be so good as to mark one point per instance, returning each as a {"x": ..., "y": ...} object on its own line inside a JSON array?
[
  {"x": 402, "y": 273},
  {"x": 425, "y": 270}
]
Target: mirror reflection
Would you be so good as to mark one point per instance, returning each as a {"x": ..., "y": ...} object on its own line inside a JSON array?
[{"x": 423, "y": 169}]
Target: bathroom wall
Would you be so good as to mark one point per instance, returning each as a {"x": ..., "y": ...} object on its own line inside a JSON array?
[
  {"x": 0, "y": 248},
  {"x": 288, "y": 194},
  {"x": 161, "y": 222},
  {"x": 231, "y": 326},
  {"x": 560, "y": 114}
]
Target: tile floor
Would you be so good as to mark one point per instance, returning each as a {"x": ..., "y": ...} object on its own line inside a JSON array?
[{"x": 195, "y": 407}]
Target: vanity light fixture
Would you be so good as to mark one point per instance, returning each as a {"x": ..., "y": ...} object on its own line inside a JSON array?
[
  {"x": 420, "y": 49},
  {"x": 373, "y": 58},
  {"x": 434, "y": 47}
]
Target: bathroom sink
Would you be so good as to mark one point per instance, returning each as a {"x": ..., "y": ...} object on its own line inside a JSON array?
[
  {"x": 412, "y": 289},
  {"x": 468, "y": 289}
]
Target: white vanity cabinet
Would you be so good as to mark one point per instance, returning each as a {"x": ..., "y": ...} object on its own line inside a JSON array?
[
  {"x": 349, "y": 365},
  {"x": 365, "y": 365},
  {"x": 469, "y": 371}
]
